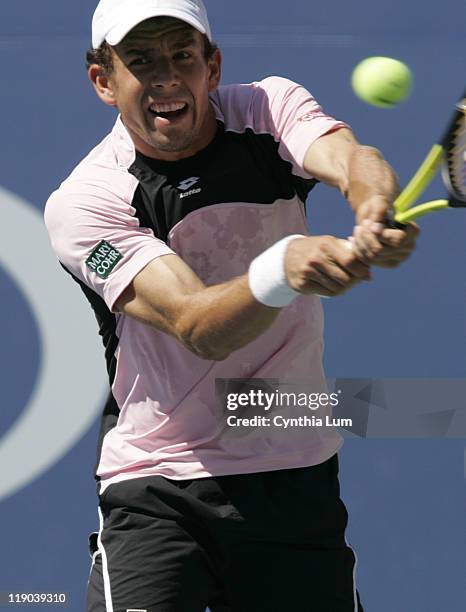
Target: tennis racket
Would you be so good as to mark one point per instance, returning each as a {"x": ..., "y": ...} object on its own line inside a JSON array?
[{"x": 450, "y": 154}]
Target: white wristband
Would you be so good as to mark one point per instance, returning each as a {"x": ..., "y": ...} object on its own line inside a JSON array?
[{"x": 267, "y": 277}]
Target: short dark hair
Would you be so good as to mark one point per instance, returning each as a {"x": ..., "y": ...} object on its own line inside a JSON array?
[{"x": 102, "y": 56}]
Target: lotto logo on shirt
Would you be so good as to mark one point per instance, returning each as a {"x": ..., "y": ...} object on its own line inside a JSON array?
[{"x": 103, "y": 259}]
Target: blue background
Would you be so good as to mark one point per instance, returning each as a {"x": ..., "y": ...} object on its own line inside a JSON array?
[{"x": 406, "y": 498}]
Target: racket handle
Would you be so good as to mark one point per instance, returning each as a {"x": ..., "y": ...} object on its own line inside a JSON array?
[{"x": 391, "y": 222}]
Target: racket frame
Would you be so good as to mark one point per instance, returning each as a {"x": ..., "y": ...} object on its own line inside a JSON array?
[{"x": 403, "y": 210}]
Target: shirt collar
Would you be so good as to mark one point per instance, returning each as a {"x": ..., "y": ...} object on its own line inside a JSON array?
[{"x": 123, "y": 145}]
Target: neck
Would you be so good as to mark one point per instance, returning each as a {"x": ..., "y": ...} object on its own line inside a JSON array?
[{"x": 204, "y": 137}]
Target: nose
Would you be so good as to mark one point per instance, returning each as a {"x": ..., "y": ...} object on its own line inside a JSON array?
[{"x": 164, "y": 75}]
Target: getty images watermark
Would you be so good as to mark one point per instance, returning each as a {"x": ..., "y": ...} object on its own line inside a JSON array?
[
  {"x": 273, "y": 403},
  {"x": 365, "y": 408}
]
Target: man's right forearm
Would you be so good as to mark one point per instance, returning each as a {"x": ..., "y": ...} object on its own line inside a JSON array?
[
  {"x": 219, "y": 320},
  {"x": 212, "y": 322}
]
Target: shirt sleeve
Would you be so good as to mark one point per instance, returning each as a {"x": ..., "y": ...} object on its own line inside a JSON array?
[
  {"x": 97, "y": 237},
  {"x": 293, "y": 116}
]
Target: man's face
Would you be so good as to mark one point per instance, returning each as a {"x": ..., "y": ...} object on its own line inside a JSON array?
[{"x": 161, "y": 84}]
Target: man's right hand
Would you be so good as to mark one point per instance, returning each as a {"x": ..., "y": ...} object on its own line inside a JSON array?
[{"x": 323, "y": 265}]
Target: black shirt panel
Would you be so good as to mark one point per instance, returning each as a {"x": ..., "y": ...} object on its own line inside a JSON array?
[{"x": 234, "y": 167}]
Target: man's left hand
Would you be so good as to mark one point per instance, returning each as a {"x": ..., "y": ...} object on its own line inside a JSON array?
[{"x": 378, "y": 245}]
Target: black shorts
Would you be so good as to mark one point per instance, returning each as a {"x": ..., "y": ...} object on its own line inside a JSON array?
[{"x": 263, "y": 542}]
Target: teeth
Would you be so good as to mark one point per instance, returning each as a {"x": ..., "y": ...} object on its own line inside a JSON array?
[{"x": 167, "y": 108}]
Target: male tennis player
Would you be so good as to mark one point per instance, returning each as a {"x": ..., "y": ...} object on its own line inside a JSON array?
[{"x": 186, "y": 230}]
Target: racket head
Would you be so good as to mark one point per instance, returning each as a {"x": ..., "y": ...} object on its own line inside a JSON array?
[{"x": 454, "y": 161}]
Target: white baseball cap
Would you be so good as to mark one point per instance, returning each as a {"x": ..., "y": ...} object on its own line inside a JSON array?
[{"x": 113, "y": 19}]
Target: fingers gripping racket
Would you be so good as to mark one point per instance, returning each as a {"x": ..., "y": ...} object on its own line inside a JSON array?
[{"x": 450, "y": 154}]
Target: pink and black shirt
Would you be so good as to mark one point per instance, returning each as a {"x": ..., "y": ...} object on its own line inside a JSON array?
[{"x": 217, "y": 210}]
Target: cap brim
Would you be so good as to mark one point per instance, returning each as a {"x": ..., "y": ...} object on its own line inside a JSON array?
[{"x": 118, "y": 33}]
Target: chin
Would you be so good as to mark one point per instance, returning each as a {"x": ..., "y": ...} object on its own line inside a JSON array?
[{"x": 173, "y": 145}]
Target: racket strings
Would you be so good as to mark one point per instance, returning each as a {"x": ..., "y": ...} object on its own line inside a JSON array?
[{"x": 456, "y": 157}]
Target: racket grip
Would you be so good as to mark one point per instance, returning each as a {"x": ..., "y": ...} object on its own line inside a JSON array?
[{"x": 391, "y": 223}]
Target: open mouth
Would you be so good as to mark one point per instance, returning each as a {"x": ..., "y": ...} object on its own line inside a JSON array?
[{"x": 169, "y": 112}]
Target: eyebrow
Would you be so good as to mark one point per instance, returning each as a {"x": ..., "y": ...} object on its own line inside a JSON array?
[
  {"x": 181, "y": 44},
  {"x": 186, "y": 42}
]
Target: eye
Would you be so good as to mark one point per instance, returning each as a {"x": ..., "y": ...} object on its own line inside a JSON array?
[
  {"x": 139, "y": 61},
  {"x": 182, "y": 55}
]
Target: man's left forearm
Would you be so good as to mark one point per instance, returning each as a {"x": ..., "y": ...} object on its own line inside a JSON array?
[
  {"x": 372, "y": 189},
  {"x": 372, "y": 184}
]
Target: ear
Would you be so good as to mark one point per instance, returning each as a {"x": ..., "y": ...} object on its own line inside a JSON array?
[
  {"x": 103, "y": 84},
  {"x": 215, "y": 70}
]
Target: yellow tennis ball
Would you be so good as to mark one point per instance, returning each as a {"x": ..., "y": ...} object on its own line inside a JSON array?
[{"x": 382, "y": 81}]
